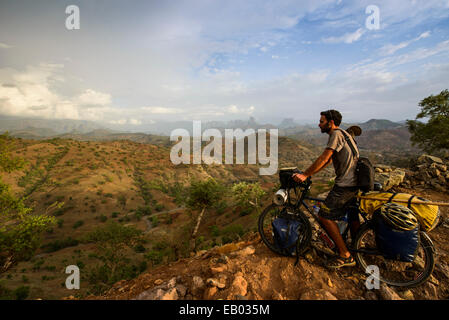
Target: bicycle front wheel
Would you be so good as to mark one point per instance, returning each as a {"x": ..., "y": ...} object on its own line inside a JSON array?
[
  {"x": 393, "y": 272},
  {"x": 272, "y": 212}
]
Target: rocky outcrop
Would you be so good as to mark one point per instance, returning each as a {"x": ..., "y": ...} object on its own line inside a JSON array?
[
  {"x": 388, "y": 176},
  {"x": 429, "y": 172}
]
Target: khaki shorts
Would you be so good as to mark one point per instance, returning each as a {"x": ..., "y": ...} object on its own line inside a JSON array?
[{"x": 334, "y": 207}]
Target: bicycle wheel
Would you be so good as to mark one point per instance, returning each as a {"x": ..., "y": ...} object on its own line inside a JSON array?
[
  {"x": 266, "y": 228},
  {"x": 393, "y": 272}
]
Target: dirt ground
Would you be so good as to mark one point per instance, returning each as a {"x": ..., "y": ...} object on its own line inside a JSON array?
[{"x": 268, "y": 276}]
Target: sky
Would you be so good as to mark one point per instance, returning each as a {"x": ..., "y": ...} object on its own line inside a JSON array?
[{"x": 132, "y": 63}]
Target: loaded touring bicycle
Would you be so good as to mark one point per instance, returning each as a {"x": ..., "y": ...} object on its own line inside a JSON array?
[{"x": 392, "y": 236}]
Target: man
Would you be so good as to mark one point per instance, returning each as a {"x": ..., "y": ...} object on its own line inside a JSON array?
[{"x": 340, "y": 154}]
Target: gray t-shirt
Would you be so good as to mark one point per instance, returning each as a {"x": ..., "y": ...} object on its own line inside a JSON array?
[{"x": 343, "y": 159}]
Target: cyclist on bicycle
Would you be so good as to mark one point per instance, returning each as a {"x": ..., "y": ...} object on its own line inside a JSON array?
[{"x": 339, "y": 153}]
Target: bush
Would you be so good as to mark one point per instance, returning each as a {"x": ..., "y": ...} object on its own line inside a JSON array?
[
  {"x": 60, "y": 244},
  {"x": 78, "y": 224},
  {"x": 21, "y": 293}
]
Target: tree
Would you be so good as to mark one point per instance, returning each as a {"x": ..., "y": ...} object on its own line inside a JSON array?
[
  {"x": 112, "y": 241},
  {"x": 20, "y": 230},
  {"x": 248, "y": 195},
  {"x": 432, "y": 136},
  {"x": 203, "y": 194}
]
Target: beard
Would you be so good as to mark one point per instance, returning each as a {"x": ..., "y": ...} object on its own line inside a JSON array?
[{"x": 326, "y": 129}]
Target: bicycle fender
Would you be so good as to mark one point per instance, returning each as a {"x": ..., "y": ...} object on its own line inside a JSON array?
[{"x": 426, "y": 236}]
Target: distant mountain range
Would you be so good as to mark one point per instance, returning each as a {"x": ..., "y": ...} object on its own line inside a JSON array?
[{"x": 384, "y": 134}]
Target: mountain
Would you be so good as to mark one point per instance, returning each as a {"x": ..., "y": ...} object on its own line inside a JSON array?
[
  {"x": 9, "y": 123},
  {"x": 379, "y": 124}
]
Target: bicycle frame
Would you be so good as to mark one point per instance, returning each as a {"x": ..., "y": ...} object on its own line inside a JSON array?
[{"x": 301, "y": 201}]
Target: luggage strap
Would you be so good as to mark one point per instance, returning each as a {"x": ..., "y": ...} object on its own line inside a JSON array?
[
  {"x": 349, "y": 142},
  {"x": 391, "y": 198}
]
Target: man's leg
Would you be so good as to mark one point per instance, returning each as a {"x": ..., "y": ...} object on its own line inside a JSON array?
[
  {"x": 331, "y": 211},
  {"x": 332, "y": 229}
]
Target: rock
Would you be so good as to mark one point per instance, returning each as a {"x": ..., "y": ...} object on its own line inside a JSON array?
[
  {"x": 246, "y": 252},
  {"x": 215, "y": 283},
  {"x": 386, "y": 293},
  {"x": 172, "y": 294},
  {"x": 317, "y": 294},
  {"x": 370, "y": 295},
  {"x": 197, "y": 285},
  {"x": 182, "y": 290},
  {"x": 171, "y": 283},
  {"x": 378, "y": 170},
  {"x": 406, "y": 295},
  {"x": 158, "y": 282},
  {"x": 390, "y": 179},
  {"x": 239, "y": 286},
  {"x": 430, "y": 290},
  {"x": 277, "y": 296},
  {"x": 209, "y": 293},
  {"x": 159, "y": 294},
  {"x": 223, "y": 259},
  {"x": 425, "y": 158},
  {"x": 329, "y": 283},
  {"x": 218, "y": 269}
]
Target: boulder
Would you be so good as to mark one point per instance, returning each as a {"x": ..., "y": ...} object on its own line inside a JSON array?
[
  {"x": 425, "y": 158},
  {"x": 317, "y": 294},
  {"x": 386, "y": 293},
  {"x": 390, "y": 179}
]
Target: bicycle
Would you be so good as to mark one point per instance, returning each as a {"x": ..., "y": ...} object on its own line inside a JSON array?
[{"x": 362, "y": 247}]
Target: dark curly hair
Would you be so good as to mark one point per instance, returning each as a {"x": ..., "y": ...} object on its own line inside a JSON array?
[{"x": 332, "y": 115}]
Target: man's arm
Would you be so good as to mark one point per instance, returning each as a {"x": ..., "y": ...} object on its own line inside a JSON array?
[{"x": 323, "y": 160}]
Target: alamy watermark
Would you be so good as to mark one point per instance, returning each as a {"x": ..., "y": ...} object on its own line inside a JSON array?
[
  {"x": 72, "y": 22},
  {"x": 373, "y": 20},
  {"x": 72, "y": 281},
  {"x": 372, "y": 282},
  {"x": 180, "y": 152}
]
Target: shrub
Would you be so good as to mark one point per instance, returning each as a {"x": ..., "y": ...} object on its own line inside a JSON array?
[{"x": 78, "y": 224}]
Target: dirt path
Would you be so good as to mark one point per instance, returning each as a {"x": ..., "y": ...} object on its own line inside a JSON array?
[{"x": 147, "y": 218}]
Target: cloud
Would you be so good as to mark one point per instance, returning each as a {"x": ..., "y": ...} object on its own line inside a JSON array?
[
  {"x": 390, "y": 49},
  {"x": 162, "y": 110},
  {"x": 33, "y": 92},
  {"x": 4, "y": 46},
  {"x": 93, "y": 98},
  {"x": 346, "y": 38},
  {"x": 233, "y": 109}
]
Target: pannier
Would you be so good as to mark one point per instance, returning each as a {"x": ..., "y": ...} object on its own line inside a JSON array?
[
  {"x": 426, "y": 214},
  {"x": 396, "y": 232},
  {"x": 285, "y": 233}
]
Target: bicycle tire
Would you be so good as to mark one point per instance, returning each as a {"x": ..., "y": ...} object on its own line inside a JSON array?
[
  {"x": 265, "y": 229},
  {"x": 425, "y": 245}
]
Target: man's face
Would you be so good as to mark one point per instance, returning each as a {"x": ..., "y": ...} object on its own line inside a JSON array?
[{"x": 324, "y": 125}]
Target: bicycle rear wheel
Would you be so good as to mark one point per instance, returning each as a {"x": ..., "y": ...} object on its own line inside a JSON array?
[
  {"x": 272, "y": 212},
  {"x": 393, "y": 272}
]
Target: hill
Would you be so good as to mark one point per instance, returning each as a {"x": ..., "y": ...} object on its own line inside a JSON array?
[
  {"x": 248, "y": 270},
  {"x": 131, "y": 184}
]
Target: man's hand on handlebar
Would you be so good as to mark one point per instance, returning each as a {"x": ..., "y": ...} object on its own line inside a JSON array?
[{"x": 299, "y": 177}]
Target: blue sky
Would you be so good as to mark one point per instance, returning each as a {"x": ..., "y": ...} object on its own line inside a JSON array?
[{"x": 132, "y": 63}]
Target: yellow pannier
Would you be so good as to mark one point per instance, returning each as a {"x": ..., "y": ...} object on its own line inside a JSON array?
[{"x": 426, "y": 214}]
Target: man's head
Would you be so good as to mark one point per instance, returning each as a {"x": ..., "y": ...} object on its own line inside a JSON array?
[{"x": 329, "y": 119}]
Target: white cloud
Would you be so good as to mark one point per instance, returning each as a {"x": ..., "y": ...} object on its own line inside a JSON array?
[
  {"x": 346, "y": 38},
  {"x": 233, "y": 109},
  {"x": 390, "y": 49},
  {"x": 4, "y": 46},
  {"x": 32, "y": 92},
  {"x": 162, "y": 110},
  {"x": 92, "y": 98},
  {"x": 135, "y": 122}
]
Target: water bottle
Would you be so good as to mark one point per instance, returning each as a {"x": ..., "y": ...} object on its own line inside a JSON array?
[
  {"x": 315, "y": 209},
  {"x": 342, "y": 223}
]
